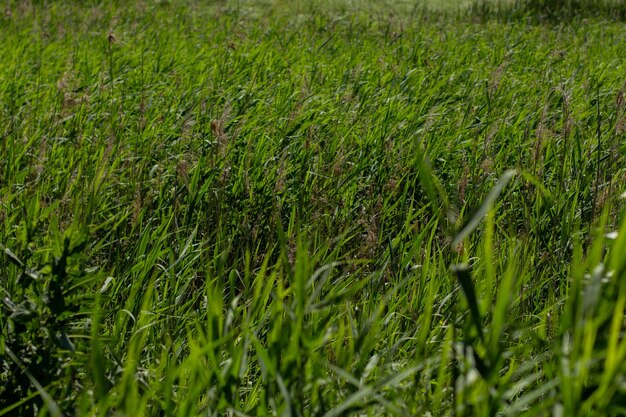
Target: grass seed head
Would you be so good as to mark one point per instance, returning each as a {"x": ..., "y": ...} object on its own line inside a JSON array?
[{"x": 496, "y": 78}]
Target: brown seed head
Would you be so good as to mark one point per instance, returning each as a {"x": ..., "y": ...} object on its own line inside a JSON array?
[
  {"x": 217, "y": 128},
  {"x": 619, "y": 100}
]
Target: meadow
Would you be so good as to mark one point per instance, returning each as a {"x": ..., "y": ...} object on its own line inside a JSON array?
[{"x": 311, "y": 208}]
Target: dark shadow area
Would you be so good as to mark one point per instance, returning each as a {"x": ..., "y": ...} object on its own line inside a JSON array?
[{"x": 549, "y": 11}]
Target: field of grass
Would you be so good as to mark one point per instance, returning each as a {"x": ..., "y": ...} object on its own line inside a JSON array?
[{"x": 281, "y": 208}]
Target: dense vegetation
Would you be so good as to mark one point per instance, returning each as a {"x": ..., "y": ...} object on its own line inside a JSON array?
[{"x": 311, "y": 209}]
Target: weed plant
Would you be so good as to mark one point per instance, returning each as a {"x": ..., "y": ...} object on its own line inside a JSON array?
[{"x": 310, "y": 209}]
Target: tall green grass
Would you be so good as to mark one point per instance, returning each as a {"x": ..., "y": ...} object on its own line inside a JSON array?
[{"x": 309, "y": 209}]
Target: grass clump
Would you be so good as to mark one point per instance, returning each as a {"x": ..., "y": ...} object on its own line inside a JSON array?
[{"x": 309, "y": 209}]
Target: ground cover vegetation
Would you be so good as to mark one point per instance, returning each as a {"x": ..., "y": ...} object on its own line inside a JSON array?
[{"x": 311, "y": 209}]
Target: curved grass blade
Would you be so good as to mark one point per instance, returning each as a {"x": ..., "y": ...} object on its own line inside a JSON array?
[{"x": 485, "y": 207}]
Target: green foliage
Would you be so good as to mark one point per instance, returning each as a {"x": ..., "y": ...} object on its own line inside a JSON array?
[
  {"x": 41, "y": 297},
  {"x": 555, "y": 11},
  {"x": 310, "y": 209}
]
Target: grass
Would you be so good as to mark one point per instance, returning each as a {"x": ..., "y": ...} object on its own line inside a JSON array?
[{"x": 309, "y": 209}]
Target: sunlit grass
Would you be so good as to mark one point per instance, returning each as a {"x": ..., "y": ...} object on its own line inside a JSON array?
[{"x": 310, "y": 209}]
